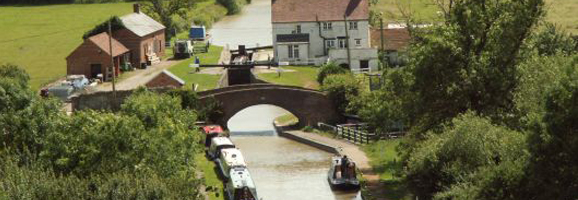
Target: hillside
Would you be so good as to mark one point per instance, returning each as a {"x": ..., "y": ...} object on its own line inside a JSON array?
[
  {"x": 561, "y": 12},
  {"x": 39, "y": 38}
]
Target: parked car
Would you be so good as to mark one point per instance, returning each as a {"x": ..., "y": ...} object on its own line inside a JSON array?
[{"x": 183, "y": 49}]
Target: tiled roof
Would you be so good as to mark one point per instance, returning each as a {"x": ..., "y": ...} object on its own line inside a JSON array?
[
  {"x": 141, "y": 24},
  {"x": 322, "y": 10},
  {"x": 101, "y": 40},
  {"x": 176, "y": 78},
  {"x": 395, "y": 39},
  {"x": 301, "y": 37}
]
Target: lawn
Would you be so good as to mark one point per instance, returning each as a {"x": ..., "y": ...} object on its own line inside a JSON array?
[
  {"x": 205, "y": 81},
  {"x": 39, "y": 38},
  {"x": 287, "y": 119},
  {"x": 386, "y": 162},
  {"x": 211, "y": 180},
  {"x": 302, "y": 76},
  {"x": 562, "y": 12}
]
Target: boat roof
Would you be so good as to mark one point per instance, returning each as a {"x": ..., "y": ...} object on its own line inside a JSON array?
[
  {"x": 213, "y": 129},
  {"x": 240, "y": 177},
  {"x": 218, "y": 141},
  {"x": 233, "y": 157}
]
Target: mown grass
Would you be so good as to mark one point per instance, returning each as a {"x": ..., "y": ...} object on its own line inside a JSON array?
[
  {"x": 211, "y": 179},
  {"x": 287, "y": 119},
  {"x": 385, "y": 161},
  {"x": 39, "y": 38},
  {"x": 302, "y": 76},
  {"x": 205, "y": 81},
  {"x": 561, "y": 12}
]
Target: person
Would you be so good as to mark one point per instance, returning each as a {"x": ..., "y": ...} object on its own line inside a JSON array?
[{"x": 344, "y": 164}]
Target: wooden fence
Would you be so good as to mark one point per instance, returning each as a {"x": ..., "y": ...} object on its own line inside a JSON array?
[{"x": 356, "y": 134}]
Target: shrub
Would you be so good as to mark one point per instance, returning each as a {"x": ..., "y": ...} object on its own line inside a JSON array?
[
  {"x": 341, "y": 88},
  {"x": 329, "y": 69}
]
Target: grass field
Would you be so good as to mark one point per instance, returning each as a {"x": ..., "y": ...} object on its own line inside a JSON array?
[
  {"x": 211, "y": 180},
  {"x": 39, "y": 38},
  {"x": 302, "y": 77},
  {"x": 562, "y": 12},
  {"x": 205, "y": 81},
  {"x": 386, "y": 162}
]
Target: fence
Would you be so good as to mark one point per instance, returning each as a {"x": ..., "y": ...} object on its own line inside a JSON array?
[{"x": 357, "y": 134}]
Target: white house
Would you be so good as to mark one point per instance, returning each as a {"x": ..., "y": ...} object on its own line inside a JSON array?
[{"x": 316, "y": 31}]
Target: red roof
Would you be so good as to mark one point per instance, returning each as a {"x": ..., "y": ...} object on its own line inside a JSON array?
[
  {"x": 395, "y": 39},
  {"x": 101, "y": 40},
  {"x": 213, "y": 129},
  {"x": 323, "y": 10}
]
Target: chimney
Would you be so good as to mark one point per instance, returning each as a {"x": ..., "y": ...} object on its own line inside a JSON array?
[{"x": 136, "y": 8}]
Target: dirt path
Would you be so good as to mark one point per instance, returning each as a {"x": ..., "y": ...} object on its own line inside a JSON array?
[
  {"x": 134, "y": 79},
  {"x": 352, "y": 151}
]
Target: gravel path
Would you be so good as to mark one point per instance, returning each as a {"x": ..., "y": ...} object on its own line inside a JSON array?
[{"x": 139, "y": 77}]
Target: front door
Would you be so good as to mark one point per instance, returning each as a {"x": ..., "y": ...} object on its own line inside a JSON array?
[
  {"x": 364, "y": 64},
  {"x": 95, "y": 69}
]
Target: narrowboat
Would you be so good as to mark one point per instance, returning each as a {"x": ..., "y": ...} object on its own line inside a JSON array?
[{"x": 342, "y": 174}]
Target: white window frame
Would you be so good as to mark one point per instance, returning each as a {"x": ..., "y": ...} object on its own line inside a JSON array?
[
  {"x": 293, "y": 51},
  {"x": 357, "y": 42},
  {"x": 352, "y": 25},
  {"x": 327, "y": 26},
  {"x": 330, "y": 43}
]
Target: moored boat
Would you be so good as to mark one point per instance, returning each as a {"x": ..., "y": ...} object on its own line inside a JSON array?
[{"x": 342, "y": 173}]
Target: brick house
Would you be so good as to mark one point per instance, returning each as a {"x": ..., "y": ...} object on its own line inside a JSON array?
[
  {"x": 165, "y": 79},
  {"x": 92, "y": 57},
  {"x": 143, "y": 36},
  {"x": 395, "y": 41}
]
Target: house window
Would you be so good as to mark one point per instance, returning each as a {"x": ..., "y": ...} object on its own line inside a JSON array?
[
  {"x": 352, "y": 25},
  {"x": 327, "y": 26},
  {"x": 298, "y": 29},
  {"x": 330, "y": 43},
  {"x": 293, "y": 51},
  {"x": 357, "y": 42},
  {"x": 342, "y": 43}
]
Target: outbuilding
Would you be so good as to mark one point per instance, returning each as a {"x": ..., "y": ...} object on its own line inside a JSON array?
[
  {"x": 165, "y": 79},
  {"x": 92, "y": 57}
]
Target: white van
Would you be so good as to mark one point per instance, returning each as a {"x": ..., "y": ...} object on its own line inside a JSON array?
[
  {"x": 217, "y": 144},
  {"x": 229, "y": 159},
  {"x": 241, "y": 186}
]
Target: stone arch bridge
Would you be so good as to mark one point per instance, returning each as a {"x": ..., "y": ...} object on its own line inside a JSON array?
[{"x": 310, "y": 106}]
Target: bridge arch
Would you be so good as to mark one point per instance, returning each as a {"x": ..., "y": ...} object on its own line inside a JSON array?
[{"x": 310, "y": 106}]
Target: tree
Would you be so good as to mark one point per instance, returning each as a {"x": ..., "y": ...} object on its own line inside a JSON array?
[
  {"x": 469, "y": 63},
  {"x": 341, "y": 88},
  {"x": 14, "y": 90},
  {"x": 165, "y": 10},
  {"x": 467, "y": 146},
  {"x": 553, "y": 142},
  {"x": 550, "y": 40}
]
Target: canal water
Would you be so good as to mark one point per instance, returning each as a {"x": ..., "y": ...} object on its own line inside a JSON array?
[
  {"x": 252, "y": 27},
  {"x": 281, "y": 168}
]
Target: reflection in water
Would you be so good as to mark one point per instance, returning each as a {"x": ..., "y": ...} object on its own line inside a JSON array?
[
  {"x": 251, "y": 27},
  {"x": 281, "y": 168}
]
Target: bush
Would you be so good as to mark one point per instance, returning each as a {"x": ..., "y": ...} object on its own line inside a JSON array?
[
  {"x": 115, "y": 24},
  {"x": 341, "y": 89},
  {"x": 329, "y": 69}
]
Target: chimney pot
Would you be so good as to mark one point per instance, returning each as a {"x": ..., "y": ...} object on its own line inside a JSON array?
[{"x": 136, "y": 7}]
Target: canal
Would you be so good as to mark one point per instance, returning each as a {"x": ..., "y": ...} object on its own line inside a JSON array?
[
  {"x": 251, "y": 27},
  {"x": 281, "y": 168}
]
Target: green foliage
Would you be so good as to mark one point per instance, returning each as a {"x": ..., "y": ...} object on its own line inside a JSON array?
[
  {"x": 164, "y": 11},
  {"x": 550, "y": 40},
  {"x": 464, "y": 148},
  {"x": 341, "y": 89},
  {"x": 14, "y": 94},
  {"x": 115, "y": 24},
  {"x": 233, "y": 6},
  {"x": 209, "y": 110},
  {"x": 329, "y": 69},
  {"x": 553, "y": 142},
  {"x": 469, "y": 63}
]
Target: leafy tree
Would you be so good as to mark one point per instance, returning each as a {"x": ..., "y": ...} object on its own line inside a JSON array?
[
  {"x": 14, "y": 90},
  {"x": 115, "y": 24},
  {"x": 329, "y": 69},
  {"x": 550, "y": 40},
  {"x": 341, "y": 88},
  {"x": 166, "y": 10},
  {"x": 554, "y": 165},
  {"x": 469, "y": 63},
  {"x": 466, "y": 147}
]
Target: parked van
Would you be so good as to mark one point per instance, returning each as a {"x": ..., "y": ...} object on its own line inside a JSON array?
[
  {"x": 217, "y": 144},
  {"x": 241, "y": 186},
  {"x": 229, "y": 159}
]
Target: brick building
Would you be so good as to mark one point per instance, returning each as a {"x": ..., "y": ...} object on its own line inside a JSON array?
[
  {"x": 165, "y": 79},
  {"x": 92, "y": 57},
  {"x": 144, "y": 36}
]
